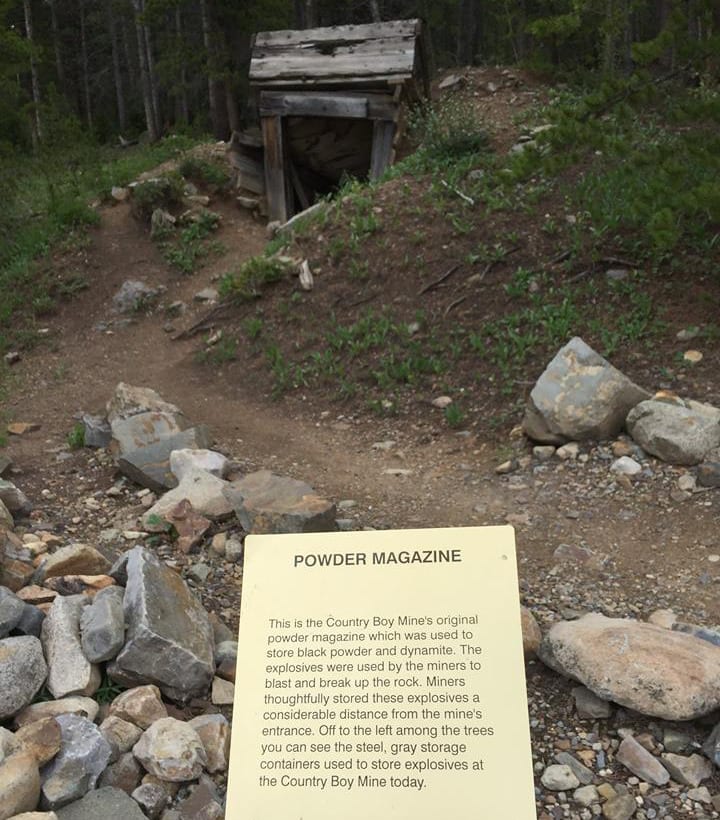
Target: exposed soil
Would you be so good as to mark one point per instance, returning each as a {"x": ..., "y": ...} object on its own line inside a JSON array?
[{"x": 656, "y": 541}]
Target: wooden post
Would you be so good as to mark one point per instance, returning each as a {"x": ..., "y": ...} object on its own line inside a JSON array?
[
  {"x": 382, "y": 147},
  {"x": 277, "y": 178}
]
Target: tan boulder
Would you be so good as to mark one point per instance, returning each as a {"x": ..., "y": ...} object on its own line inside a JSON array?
[
  {"x": 655, "y": 671},
  {"x": 531, "y": 633}
]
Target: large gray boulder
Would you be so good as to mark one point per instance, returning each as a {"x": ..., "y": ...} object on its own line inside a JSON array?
[
  {"x": 14, "y": 500},
  {"x": 22, "y": 673},
  {"x": 149, "y": 464},
  {"x": 269, "y": 503},
  {"x": 128, "y": 401},
  {"x": 579, "y": 396},
  {"x": 169, "y": 636},
  {"x": 675, "y": 430},
  {"x": 11, "y": 611},
  {"x": 644, "y": 667}
]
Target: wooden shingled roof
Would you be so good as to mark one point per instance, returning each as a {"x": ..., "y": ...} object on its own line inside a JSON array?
[{"x": 374, "y": 54}]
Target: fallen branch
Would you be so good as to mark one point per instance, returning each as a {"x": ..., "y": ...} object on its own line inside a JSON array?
[
  {"x": 202, "y": 324},
  {"x": 464, "y": 197},
  {"x": 454, "y": 304},
  {"x": 561, "y": 257},
  {"x": 490, "y": 265},
  {"x": 430, "y": 285},
  {"x": 614, "y": 260}
]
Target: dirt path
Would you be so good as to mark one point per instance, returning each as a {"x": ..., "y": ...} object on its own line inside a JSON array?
[{"x": 656, "y": 546}]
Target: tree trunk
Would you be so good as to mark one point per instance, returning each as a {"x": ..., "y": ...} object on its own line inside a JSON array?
[
  {"x": 57, "y": 45},
  {"x": 233, "y": 107},
  {"x": 214, "y": 91},
  {"x": 152, "y": 78},
  {"x": 375, "y": 11},
  {"x": 138, "y": 6},
  {"x": 466, "y": 32},
  {"x": 117, "y": 72},
  {"x": 85, "y": 66},
  {"x": 310, "y": 14},
  {"x": 36, "y": 129},
  {"x": 182, "y": 97},
  {"x": 299, "y": 13}
]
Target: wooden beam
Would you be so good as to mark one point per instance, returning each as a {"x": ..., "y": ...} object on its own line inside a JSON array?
[
  {"x": 309, "y": 104},
  {"x": 397, "y": 28},
  {"x": 382, "y": 147},
  {"x": 277, "y": 179}
]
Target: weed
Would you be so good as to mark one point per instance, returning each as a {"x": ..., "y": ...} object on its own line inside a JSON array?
[
  {"x": 454, "y": 415},
  {"x": 108, "y": 690},
  {"x": 204, "y": 171},
  {"x": 163, "y": 192},
  {"x": 185, "y": 253},
  {"x": 223, "y": 351},
  {"x": 253, "y": 327},
  {"x": 253, "y": 275},
  {"x": 76, "y": 437}
]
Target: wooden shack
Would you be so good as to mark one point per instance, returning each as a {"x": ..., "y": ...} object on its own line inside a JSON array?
[{"x": 330, "y": 102}]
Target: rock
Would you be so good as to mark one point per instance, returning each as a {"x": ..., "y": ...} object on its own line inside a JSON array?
[
  {"x": 97, "y": 432},
  {"x": 19, "y": 784},
  {"x": 574, "y": 554},
  {"x": 15, "y": 574},
  {"x": 6, "y": 464},
  {"x": 129, "y": 401},
  {"x": 233, "y": 549},
  {"x": 711, "y": 747},
  {"x": 206, "y": 295},
  {"x": 121, "y": 735},
  {"x": 641, "y": 763},
  {"x": 152, "y": 799},
  {"x": 6, "y": 520},
  {"x": 644, "y": 667},
  {"x": 21, "y": 428},
  {"x": 69, "y": 671},
  {"x": 133, "y": 296},
  {"x": 149, "y": 464},
  {"x": 119, "y": 194},
  {"x": 544, "y": 452},
  {"x": 708, "y": 474},
  {"x": 201, "y": 805},
  {"x": 531, "y": 633},
  {"x": 106, "y": 803},
  {"x": 171, "y": 750},
  {"x": 701, "y": 795},
  {"x": 559, "y": 778},
  {"x": 586, "y": 796},
  {"x": 84, "y": 707},
  {"x": 580, "y": 396},
  {"x": 665, "y": 618},
  {"x": 205, "y": 493},
  {"x": 86, "y": 585},
  {"x": 141, "y": 706},
  {"x": 267, "y": 503},
  {"x": 678, "y": 432},
  {"x": 185, "y": 461},
  {"x": 125, "y": 773},
  {"x": 169, "y": 636},
  {"x": 675, "y": 741},
  {"x": 14, "y": 500},
  {"x": 688, "y": 771},
  {"x": 626, "y": 466},
  {"x": 42, "y": 739},
  {"x": 75, "y": 559},
  {"x": 589, "y": 706},
  {"x": 214, "y": 733},
  {"x": 144, "y": 430},
  {"x": 620, "y": 807},
  {"x": 568, "y": 452},
  {"x": 226, "y": 659},
  {"x": 507, "y": 467},
  {"x": 83, "y": 756},
  {"x": 11, "y": 611},
  {"x": 583, "y": 774},
  {"x": 441, "y": 402},
  {"x": 31, "y": 621},
  {"x": 102, "y": 625},
  {"x": 22, "y": 673},
  {"x": 223, "y": 692},
  {"x": 35, "y": 815},
  {"x": 189, "y": 525}
]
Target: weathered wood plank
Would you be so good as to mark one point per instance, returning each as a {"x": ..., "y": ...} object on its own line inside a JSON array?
[
  {"x": 312, "y": 105},
  {"x": 341, "y": 83},
  {"x": 401, "y": 28},
  {"x": 353, "y": 67},
  {"x": 382, "y": 147},
  {"x": 277, "y": 179}
]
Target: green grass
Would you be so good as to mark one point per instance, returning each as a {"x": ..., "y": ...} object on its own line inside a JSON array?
[
  {"x": 186, "y": 251},
  {"x": 204, "y": 171},
  {"x": 46, "y": 200},
  {"x": 251, "y": 277}
]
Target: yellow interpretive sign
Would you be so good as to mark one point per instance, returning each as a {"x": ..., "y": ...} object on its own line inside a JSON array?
[{"x": 381, "y": 674}]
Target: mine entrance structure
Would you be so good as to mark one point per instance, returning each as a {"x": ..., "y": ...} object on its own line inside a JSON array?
[{"x": 331, "y": 103}]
